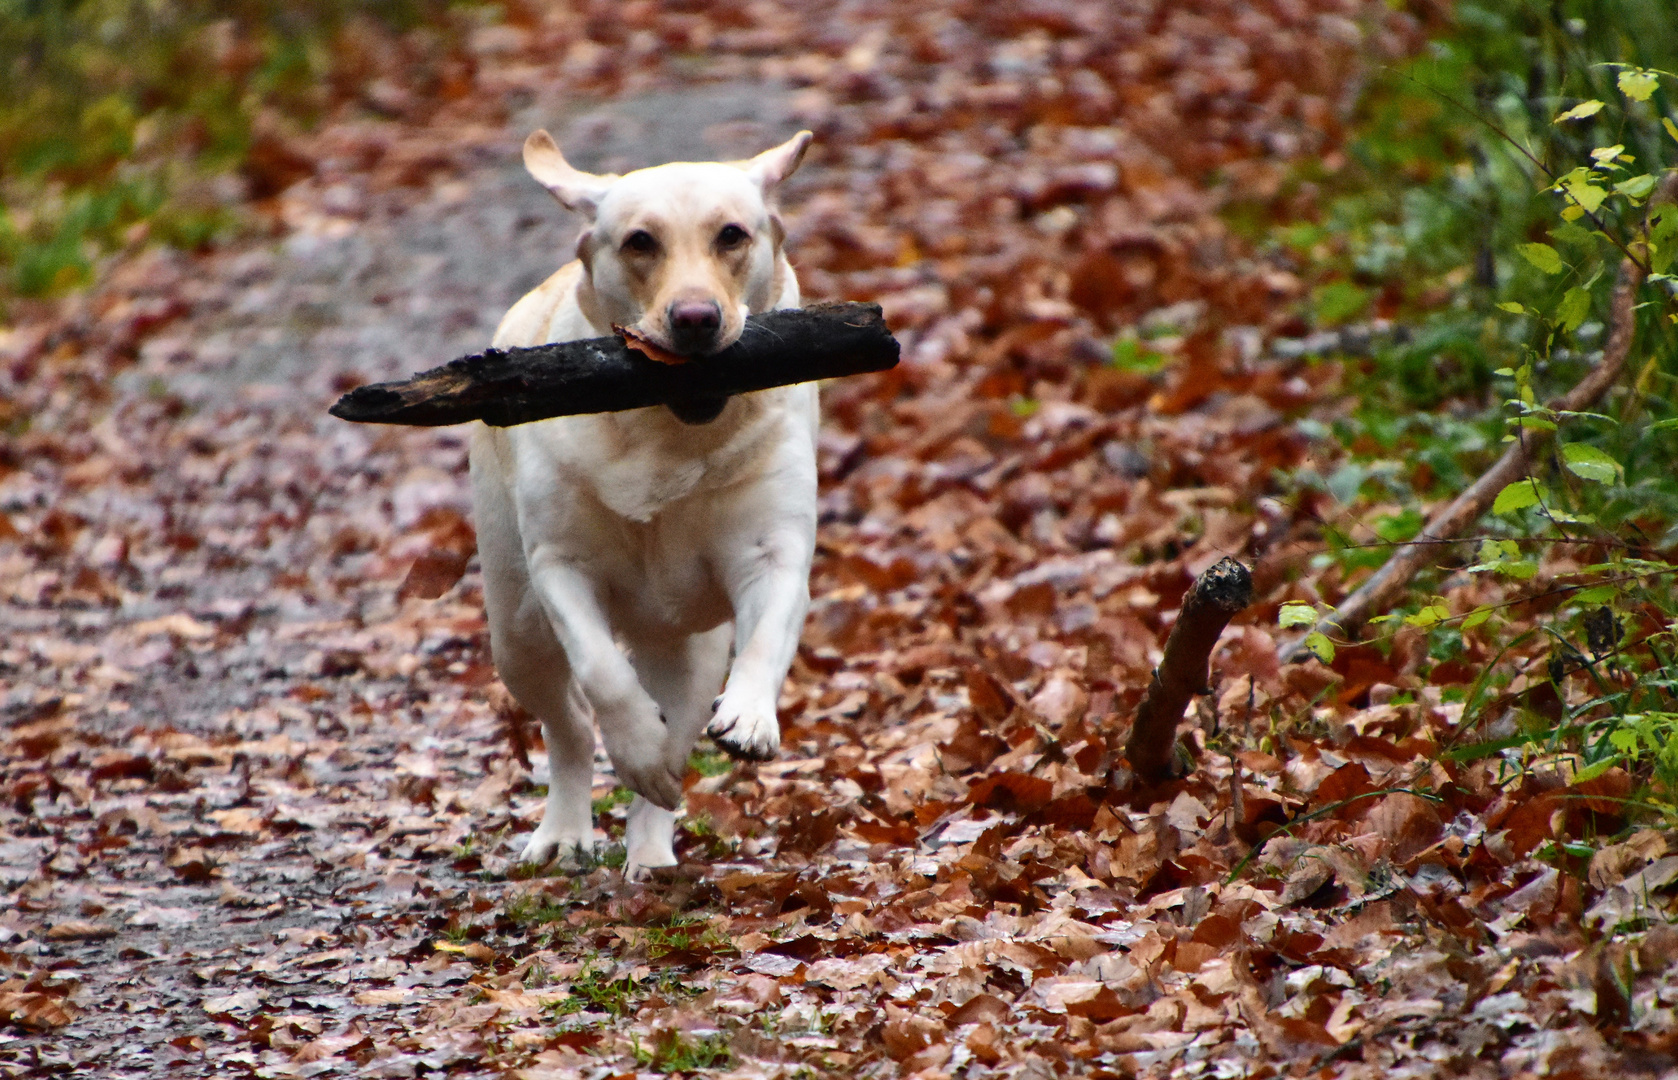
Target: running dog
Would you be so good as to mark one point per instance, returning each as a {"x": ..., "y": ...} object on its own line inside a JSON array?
[{"x": 632, "y": 560}]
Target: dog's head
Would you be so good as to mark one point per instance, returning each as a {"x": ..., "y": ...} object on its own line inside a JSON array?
[{"x": 679, "y": 253}]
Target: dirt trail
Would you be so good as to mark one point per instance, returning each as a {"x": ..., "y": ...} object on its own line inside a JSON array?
[
  {"x": 258, "y": 805},
  {"x": 368, "y": 285}
]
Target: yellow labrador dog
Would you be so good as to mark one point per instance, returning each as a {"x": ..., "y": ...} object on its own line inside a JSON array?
[{"x": 617, "y": 548}]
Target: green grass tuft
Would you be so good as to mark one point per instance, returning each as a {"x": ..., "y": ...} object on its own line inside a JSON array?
[{"x": 671, "y": 1053}]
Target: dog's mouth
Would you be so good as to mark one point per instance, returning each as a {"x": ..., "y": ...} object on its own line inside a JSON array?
[
  {"x": 693, "y": 409},
  {"x": 671, "y": 351},
  {"x": 699, "y": 409},
  {"x": 653, "y": 349}
]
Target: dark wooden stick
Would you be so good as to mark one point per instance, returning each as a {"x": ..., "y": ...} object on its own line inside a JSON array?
[
  {"x": 1216, "y": 596},
  {"x": 515, "y": 386},
  {"x": 1378, "y": 592}
]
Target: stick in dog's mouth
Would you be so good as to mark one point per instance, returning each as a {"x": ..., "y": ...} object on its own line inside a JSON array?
[{"x": 699, "y": 409}]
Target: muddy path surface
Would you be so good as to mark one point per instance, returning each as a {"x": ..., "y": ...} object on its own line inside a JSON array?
[
  {"x": 259, "y": 795},
  {"x": 181, "y": 930}
]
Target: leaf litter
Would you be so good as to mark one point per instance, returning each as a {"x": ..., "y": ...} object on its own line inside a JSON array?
[{"x": 260, "y": 797}]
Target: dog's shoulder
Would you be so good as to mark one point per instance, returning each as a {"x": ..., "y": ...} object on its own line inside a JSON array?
[{"x": 532, "y": 320}]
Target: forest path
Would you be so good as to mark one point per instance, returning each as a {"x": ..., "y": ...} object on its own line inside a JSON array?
[{"x": 259, "y": 806}]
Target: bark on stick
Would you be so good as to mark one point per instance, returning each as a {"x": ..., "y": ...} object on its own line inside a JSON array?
[
  {"x": 1216, "y": 596},
  {"x": 516, "y": 386}
]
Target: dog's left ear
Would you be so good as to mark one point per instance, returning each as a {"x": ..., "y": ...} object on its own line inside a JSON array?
[{"x": 769, "y": 168}]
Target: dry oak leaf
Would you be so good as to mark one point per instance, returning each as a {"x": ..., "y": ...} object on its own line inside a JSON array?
[
  {"x": 151, "y": 915},
  {"x": 472, "y": 950},
  {"x": 331, "y": 1046},
  {"x": 989, "y": 697},
  {"x": 36, "y": 1010},
  {"x": 979, "y": 1009},
  {"x": 244, "y": 820},
  {"x": 1634, "y": 898},
  {"x": 1408, "y": 822},
  {"x": 982, "y": 1044},
  {"x": 434, "y": 573},
  {"x": 193, "y": 865},
  {"x": 238, "y": 1001},
  {"x": 1078, "y": 996},
  {"x": 120, "y": 765},
  {"x": 179, "y": 625},
  {"x": 77, "y": 930},
  {"x": 1614, "y": 863},
  {"x": 649, "y": 348},
  {"x": 1309, "y": 874},
  {"x": 841, "y": 974},
  {"x": 905, "y": 1033}
]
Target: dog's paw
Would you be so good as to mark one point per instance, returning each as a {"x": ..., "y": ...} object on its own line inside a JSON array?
[
  {"x": 649, "y": 840},
  {"x": 653, "y": 780},
  {"x": 636, "y": 745},
  {"x": 744, "y": 732},
  {"x": 641, "y": 860},
  {"x": 546, "y": 846}
]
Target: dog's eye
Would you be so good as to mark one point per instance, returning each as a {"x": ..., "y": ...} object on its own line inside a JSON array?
[
  {"x": 641, "y": 242},
  {"x": 732, "y": 236}
]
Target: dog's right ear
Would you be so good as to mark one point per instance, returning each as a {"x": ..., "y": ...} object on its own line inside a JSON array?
[
  {"x": 578, "y": 191},
  {"x": 772, "y": 166}
]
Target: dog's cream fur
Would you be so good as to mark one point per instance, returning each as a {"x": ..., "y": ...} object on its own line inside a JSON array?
[{"x": 618, "y": 547}]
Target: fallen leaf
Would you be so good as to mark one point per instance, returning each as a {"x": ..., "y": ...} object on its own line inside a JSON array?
[
  {"x": 76, "y": 930},
  {"x": 1635, "y": 898},
  {"x": 434, "y": 573},
  {"x": 237, "y": 1002},
  {"x": 193, "y": 865},
  {"x": 151, "y": 915},
  {"x": 35, "y": 1010},
  {"x": 472, "y": 950},
  {"x": 649, "y": 348},
  {"x": 905, "y": 1033}
]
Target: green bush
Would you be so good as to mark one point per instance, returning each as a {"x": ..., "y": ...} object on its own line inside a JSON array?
[
  {"x": 120, "y": 113},
  {"x": 1497, "y": 183}
]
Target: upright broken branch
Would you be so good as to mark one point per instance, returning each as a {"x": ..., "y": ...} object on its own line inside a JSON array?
[
  {"x": 1383, "y": 587},
  {"x": 503, "y": 387},
  {"x": 1216, "y": 596}
]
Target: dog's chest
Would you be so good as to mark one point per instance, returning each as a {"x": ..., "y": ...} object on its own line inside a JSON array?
[
  {"x": 646, "y": 466},
  {"x": 656, "y": 577},
  {"x": 643, "y": 505},
  {"x": 644, "y": 483}
]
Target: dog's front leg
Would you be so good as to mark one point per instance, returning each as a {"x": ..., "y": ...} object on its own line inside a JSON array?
[
  {"x": 630, "y": 723},
  {"x": 770, "y": 589}
]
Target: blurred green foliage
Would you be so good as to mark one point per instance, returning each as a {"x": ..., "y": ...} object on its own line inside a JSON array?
[
  {"x": 1457, "y": 217},
  {"x": 121, "y": 119},
  {"x": 1449, "y": 177},
  {"x": 1424, "y": 226}
]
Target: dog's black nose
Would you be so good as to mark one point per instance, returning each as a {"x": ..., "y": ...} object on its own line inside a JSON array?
[{"x": 694, "y": 324}]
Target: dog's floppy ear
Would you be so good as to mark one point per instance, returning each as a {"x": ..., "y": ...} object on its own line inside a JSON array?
[
  {"x": 772, "y": 166},
  {"x": 576, "y": 190}
]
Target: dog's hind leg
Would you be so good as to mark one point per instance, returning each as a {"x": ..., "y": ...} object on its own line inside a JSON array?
[
  {"x": 682, "y": 678},
  {"x": 533, "y": 667},
  {"x": 541, "y": 681}
]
